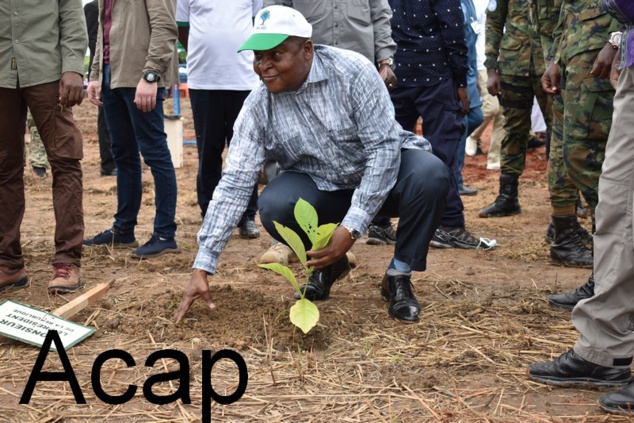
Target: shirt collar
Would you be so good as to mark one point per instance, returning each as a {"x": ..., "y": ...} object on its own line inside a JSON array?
[{"x": 317, "y": 72}]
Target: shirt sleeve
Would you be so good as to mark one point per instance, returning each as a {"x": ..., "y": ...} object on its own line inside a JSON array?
[
  {"x": 73, "y": 36},
  {"x": 182, "y": 12},
  {"x": 451, "y": 20},
  {"x": 231, "y": 197},
  {"x": 384, "y": 45},
  {"x": 496, "y": 19},
  {"x": 380, "y": 135},
  {"x": 164, "y": 33}
]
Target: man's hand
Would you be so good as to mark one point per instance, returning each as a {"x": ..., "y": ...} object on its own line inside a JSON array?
[
  {"x": 339, "y": 244},
  {"x": 71, "y": 89},
  {"x": 463, "y": 95},
  {"x": 603, "y": 62},
  {"x": 94, "y": 96},
  {"x": 198, "y": 287},
  {"x": 145, "y": 97},
  {"x": 550, "y": 79},
  {"x": 494, "y": 84},
  {"x": 387, "y": 75}
]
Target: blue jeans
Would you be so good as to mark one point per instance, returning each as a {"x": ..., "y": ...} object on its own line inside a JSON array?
[
  {"x": 473, "y": 119},
  {"x": 131, "y": 131}
]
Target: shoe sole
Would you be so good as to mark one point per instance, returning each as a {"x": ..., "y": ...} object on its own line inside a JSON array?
[
  {"x": 467, "y": 194},
  {"x": 160, "y": 253},
  {"x": 249, "y": 236},
  {"x": 557, "y": 261},
  {"x": 485, "y": 215},
  {"x": 439, "y": 244},
  {"x": 115, "y": 246},
  {"x": 16, "y": 285},
  {"x": 615, "y": 410},
  {"x": 561, "y": 305},
  {"x": 379, "y": 241},
  {"x": 581, "y": 382},
  {"x": 65, "y": 289}
]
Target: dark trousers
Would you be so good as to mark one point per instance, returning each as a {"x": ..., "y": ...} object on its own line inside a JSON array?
[
  {"x": 215, "y": 112},
  {"x": 417, "y": 199},
  {"x": 105, "y": 152},
  {"x": 443, "y": 126},
  {"x": 133, "y": 131},
  {"x": 63, "y": 143}
]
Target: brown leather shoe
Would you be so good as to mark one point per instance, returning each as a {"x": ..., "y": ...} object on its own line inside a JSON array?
[
  {"x": 65, "y": 278},
  {"x": 16, "y": 279}
]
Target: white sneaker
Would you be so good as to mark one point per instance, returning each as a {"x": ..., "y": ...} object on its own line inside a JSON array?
[
  {"x": 493, "y": 166},
  {"x": 471, "y": 146}
]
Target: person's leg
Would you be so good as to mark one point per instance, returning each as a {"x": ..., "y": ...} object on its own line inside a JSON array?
[
  {"x": 587, "y": 121},
  {"x": 604, "y": 321},
  {"x": 12, "y": 128},
  {"x": 108, "y": 166},
  {"x": 125, "y": 152},
  {"x": 497, "y": 135},
  {"x": 473, "y": 119},
  {"x": 208, "y": 111},
  {"x": 37, "y": 152},
  {"x": 490, "y": 107},
  {"x": 152, "y": 142},
  {"x": 63, "y": 142},
  {"x": 443, "y": 127}
]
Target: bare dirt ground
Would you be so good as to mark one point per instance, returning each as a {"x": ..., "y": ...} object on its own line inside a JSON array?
[{"x": 484, "y": 320}]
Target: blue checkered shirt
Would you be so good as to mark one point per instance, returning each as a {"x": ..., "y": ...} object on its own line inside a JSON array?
[{"x": 338, "y": 128}]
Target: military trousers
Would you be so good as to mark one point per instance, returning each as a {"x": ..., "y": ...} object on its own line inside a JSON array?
[
  {"x": 580, "y": 132},
  {"x": 604, "y": 321}
]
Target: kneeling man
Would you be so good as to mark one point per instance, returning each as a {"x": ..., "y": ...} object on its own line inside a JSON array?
[{"x": 325, "y": 116}]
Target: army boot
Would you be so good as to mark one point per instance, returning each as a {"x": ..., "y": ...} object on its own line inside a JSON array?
[
  {"x": 506, "y": 203},
  {"x": 567, "y": 247}
]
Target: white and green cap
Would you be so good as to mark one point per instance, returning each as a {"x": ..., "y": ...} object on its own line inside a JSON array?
[{"x": 273, "y": 25}]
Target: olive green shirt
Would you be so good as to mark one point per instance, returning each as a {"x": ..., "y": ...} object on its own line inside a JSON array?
[
  {"x": 512, "y": 44},
  {"x": 544, "y": 16},
  {"x": 40, "y": 40}
]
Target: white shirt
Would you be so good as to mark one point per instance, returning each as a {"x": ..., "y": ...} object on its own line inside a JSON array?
[
  {"x": 217, "y": 29},
  {"x": 481, "y": 16}
]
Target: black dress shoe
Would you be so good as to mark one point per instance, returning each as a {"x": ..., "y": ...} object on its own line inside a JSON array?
[
  {"x": 465, "y": 190},
  {"x": 571, "y": 370},
  {"x": 398, "y": 291},
  {"x": 320, "y": 281},
  {"x": 619, "y": 402},
  {"x": 569, "y": 300}
]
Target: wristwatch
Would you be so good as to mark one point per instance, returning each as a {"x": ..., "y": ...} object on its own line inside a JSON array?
[
  {"x": 615, "y": 39},
  {"x": 389, "y": 61},
  {"x": 151, "y": 76},
  {"x": 354, "y": 234}
]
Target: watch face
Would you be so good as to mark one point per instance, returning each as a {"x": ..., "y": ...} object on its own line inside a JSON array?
[
  {"x": 150, "y": 77},
  {"x": 617, "y": 39}
]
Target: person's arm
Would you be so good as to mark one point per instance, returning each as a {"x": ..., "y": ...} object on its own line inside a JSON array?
[
  {"x": 73, "y": 42},
  {"x": 494, "y": 30},
  {"x": 384, "y": 45},
  {"x": 451, "y": 20},
  {"x": 91, "y": 13},
  {"x": 164, "y": 33},
  {"x": 288, "y": 3},
  {"x": 182, "y": 20}
]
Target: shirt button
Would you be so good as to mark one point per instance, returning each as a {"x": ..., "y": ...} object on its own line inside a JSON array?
[
  {"x": 16, "y": 13},
  {"x": 17, "y": 41}
]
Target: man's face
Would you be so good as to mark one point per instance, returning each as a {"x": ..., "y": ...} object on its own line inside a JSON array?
[{"x": 285, "y": 67}]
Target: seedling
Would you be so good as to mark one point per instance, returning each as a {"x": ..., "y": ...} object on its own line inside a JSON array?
[{"x": 303, "y": 314}]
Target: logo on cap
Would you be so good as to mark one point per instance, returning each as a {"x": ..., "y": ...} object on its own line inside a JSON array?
[{"x": 265, "y": 16}]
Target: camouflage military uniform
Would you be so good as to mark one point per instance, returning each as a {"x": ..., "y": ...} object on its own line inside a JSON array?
[
  {"x": 37, "y": 153},
  {"x": 517, "y": 56},
  {"x": 586, "y": 100}
]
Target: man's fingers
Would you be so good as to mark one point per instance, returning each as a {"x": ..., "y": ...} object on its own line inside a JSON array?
[{"x": 184, "y": 306}]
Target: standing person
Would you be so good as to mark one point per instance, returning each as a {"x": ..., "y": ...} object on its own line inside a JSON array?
[
  {"x": 108, "y": 167},
  {"x": 362, "y": 26},
  {"x": 474, "y": 118},
  {"x": 325, "y": 115},
  {"x": 515, "y": 63},
  {"x": 491, "y": 110},
  {"x": 135, "y": 59},
  {"x": 431, "y": 67},
  {"x": 602, "y": 355},
  {"x": 219, "y": 80},
  {"x": 43, "y": 44}
]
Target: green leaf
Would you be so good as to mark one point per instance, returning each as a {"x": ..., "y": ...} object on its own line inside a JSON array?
[
  {"x": 324, "y": 232},
  {"x": 293, "y": 240},
  {"x": 306, "y": 217},
  {"x": 284, "y": 271},
  {"x": 304, "y": 315}
]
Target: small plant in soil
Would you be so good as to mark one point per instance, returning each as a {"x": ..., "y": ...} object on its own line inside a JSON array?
[{"x": 303, "y": 314}]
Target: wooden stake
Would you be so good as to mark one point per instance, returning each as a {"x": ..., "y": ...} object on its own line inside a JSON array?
[{"x": 84, "y": 300}]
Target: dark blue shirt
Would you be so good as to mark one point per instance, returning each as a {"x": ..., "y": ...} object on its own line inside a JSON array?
[{"x": 431, "y": 44}]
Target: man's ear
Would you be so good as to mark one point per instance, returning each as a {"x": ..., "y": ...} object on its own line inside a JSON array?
[{"x": 308, "y": 49}]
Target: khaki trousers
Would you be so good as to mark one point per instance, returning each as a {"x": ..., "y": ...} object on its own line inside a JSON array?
[{"x": 492, "y": 112}]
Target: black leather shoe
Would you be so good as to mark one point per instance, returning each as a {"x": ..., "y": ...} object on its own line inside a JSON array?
[
  {"x": 570, "y": 299},
  {"x": 320, "y": 281},
  {"x": 465, "y": 190},
  {"x": 571, "y": 370},
  {"x": 398, "y": 291},
  {"x": 619, "y": 402}
]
